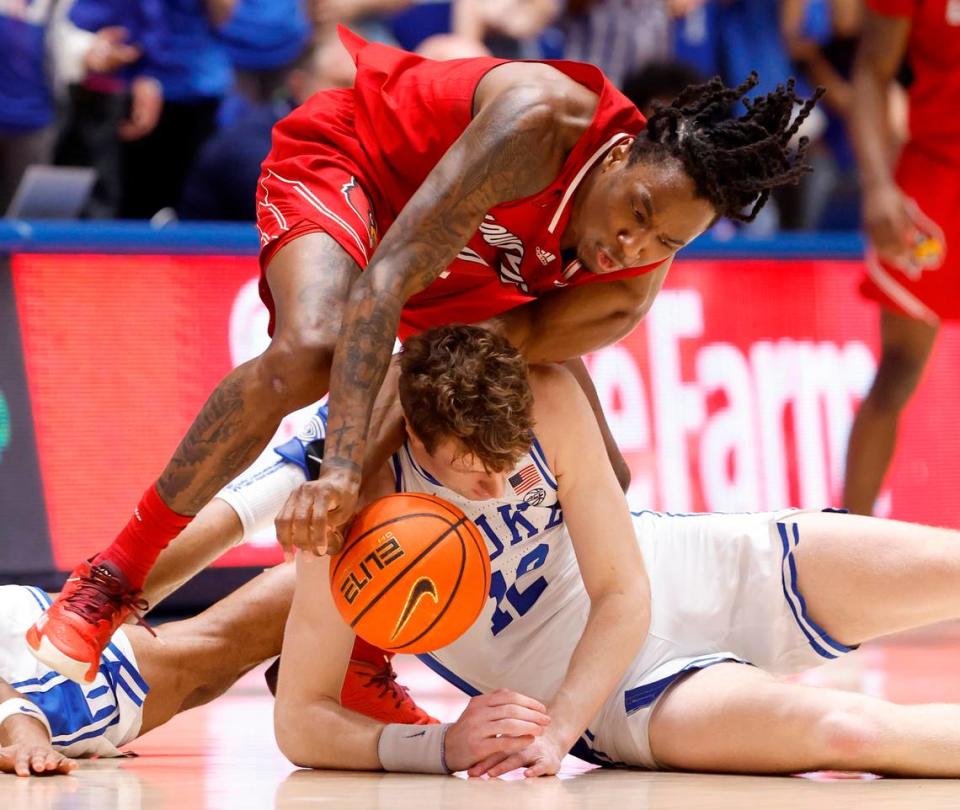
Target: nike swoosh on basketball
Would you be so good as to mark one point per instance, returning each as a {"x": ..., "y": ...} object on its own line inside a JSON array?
[{"x": 422, "y": 588}]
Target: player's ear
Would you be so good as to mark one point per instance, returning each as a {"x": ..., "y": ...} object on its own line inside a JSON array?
[
  {"x": 620, "y": 153},
  {"x": 413, "y": 438}
]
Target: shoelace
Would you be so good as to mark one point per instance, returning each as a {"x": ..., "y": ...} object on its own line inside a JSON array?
[
  {"x": 385, "y": 680},
  {"x": 99, "y": 594}
]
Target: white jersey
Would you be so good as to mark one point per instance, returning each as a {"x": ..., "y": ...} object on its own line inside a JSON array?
[
  {"x": 723, "y": 588},
  {"x": 85, "y": 720},
  {"x": 528, "y": 629}
]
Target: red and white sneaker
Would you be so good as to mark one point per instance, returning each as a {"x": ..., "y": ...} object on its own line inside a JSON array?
[
  {"x": 70, "y": 636},
  {"x": 372, "y": 689}
]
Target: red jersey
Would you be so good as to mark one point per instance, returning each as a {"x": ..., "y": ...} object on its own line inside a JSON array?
[
  {"x": 934, "y": 54},
  {"x": 386, "y": 134}
]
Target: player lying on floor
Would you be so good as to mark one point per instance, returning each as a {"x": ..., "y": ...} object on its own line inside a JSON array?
[
  {"x": 143, "y": 680},
  {"x": 561, "y": 658}
]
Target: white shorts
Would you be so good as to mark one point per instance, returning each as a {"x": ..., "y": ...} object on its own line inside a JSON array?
[
  {"x": 85, "y": 721},
  {"x": 724, "y": 588}
]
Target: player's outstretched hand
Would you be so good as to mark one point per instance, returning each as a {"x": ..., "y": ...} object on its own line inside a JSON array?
[
  {"x": 541, "y": 758},
  {"x": 497, "y": 724},
  {"x": 316, "y": 512},
  {"x": 25, "y": 759},
  {"x": 887, "y": 223}
]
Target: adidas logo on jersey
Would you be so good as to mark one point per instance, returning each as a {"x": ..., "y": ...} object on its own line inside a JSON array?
[{"x": 545, "y": 256}]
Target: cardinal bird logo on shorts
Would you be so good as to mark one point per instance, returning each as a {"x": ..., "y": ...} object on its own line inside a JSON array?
[{"x": 358, "y": 202}]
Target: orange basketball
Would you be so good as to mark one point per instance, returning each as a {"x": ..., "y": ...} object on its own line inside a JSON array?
[{"x": 413, "y": 573}]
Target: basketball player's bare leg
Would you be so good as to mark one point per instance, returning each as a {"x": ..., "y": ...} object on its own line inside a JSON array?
[
  {"x": 214, "y": 531},
  {"x": 732, "y": 718},
  {"x": 906, "y": 345},
  {"x": 861, "y": 578},
  {"x": 370, "y": 682},
  {"x": 309, "y": 279},
  {"x": 193, "y": 661}
]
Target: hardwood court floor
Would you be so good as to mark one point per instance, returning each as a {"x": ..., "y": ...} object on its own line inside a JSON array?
[{"x": 223, "y": 756}]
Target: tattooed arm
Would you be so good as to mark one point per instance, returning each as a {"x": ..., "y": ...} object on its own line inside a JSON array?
[{"x": 527, "y": 118}]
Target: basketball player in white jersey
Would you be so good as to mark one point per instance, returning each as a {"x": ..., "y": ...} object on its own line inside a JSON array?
[
  {"x": 574, "y": 651},
  {"x": 726, "y": 589},
  {"x": 143, "y": 680}
]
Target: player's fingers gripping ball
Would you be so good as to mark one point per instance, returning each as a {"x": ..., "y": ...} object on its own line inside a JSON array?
[{"x": 413, "y": 574}]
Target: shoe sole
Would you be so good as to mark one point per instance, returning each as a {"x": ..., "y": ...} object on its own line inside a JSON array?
[{"x": 48, "y": 654}]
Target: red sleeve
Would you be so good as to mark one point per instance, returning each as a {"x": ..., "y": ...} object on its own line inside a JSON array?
[{"x": 893, "y": 8}]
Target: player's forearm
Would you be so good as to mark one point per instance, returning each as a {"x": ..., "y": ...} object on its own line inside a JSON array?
[
  {"x": 614, "y": 633},
  {"x": 322, "y": 734},
  {"x": 360, "y": 363},
  {"x": 881, "y": 49},
  {"x": 569, "y": 323},
  {"x": 386, "y": 423},
  {"x": 870, "y": 127}
]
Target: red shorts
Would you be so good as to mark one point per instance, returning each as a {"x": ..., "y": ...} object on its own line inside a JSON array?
[
  {"x": 311, "y": 184},
  {"x": 928, "y": 290}
]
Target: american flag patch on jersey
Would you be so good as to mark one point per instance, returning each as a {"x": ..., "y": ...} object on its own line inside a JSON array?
[{"x": 525, "y": 479}]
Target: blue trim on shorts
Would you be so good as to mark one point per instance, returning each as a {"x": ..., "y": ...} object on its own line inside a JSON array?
[
  {"x": 124, "y": 664},
  {"x": 640, "y": 697},
  {"x": 817, "y": 637},
  {"x": 448, "y": 676},
  {"x": 540, "y": 459},
  {"x": 582, "y": 750},
  {"x": 97, "y": 732}
]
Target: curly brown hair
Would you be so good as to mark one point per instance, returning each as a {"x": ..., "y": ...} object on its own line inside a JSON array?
[{"x": 467, "y": 384}]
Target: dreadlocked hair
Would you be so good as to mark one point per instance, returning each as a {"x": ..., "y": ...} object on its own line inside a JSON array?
[{"x": 734, "y": 162}]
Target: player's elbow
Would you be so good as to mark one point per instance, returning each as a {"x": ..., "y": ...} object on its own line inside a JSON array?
[
  {"x": 620, "y": 322},
  {"x": 301, "y": 741},
  {"x": 634, "y": 303},
  {"x": 628, "y": 596},
  {"x": 288, "y": 734}
]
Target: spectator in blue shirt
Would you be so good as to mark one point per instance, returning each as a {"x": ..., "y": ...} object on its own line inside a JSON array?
[
  {"x": 195, "y": 73},
  {"x": 36, "y": 42},
  {"x": 103, "y": 109}
]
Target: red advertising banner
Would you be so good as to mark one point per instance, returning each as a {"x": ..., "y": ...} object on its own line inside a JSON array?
[{"x": 735, "y": 393}]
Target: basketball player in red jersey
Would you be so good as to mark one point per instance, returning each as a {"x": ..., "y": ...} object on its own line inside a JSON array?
[
  {"x": 461, "y": 190},
  {"x": 911, "y": 214}
]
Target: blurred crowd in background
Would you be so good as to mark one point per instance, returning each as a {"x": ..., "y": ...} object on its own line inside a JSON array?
[{"x": 172, "y": 101}]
